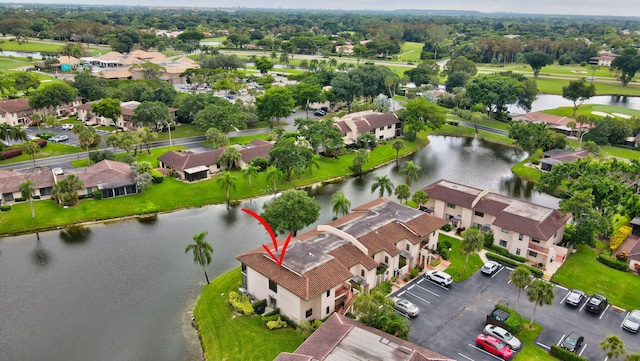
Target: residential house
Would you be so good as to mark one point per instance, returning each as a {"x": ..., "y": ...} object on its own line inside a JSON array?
[
  {"x": 124, "y": 121},
  {"x": 525, "y": 229},
  {"x": 382, "y": 125},
  {"x": 342, "y": 338},
  {"x": 322, "y": 268},
  {"x": 112, "y": 178},
  {"x": 18, "y": 112},
  {"x": 555, "y": 122},
  {"x": 555, "y": 156},
  {"x": 192, "y": 165},
  {"x": 632, "y": 141},
  {"x": 603, "y": 59}
]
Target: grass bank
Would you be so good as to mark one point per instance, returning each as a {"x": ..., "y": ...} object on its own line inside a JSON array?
[
  {"x": 227, "y": 336},
  {"x": 529, "y": 349},
  {"x": 457, "y": 260}
]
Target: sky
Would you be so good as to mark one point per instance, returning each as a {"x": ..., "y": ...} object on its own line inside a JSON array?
[{"x": 570, "y": 7}]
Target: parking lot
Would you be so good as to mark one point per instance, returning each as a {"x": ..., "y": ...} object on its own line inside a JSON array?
[{"x": 450, "y": 319}]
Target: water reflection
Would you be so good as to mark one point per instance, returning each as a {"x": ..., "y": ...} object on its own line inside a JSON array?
[
  {"x": 40, "y": 256},
  {"x": 75, "y": 235},
  {"x": 517, "y": 187}
]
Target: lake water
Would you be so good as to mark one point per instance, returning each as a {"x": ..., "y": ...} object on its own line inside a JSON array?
[
  {"x": 21, "y": 54},
  {"x": 123, "y": 290}
]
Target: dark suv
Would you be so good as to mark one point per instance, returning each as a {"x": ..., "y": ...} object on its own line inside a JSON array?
[{"x": 597, "y": 304}]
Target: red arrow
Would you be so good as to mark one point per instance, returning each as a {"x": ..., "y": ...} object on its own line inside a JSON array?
[{"x": 273, "y": 237}]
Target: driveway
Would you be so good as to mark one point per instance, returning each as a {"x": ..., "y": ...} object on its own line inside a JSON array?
[{"x": 450, "y": 319}]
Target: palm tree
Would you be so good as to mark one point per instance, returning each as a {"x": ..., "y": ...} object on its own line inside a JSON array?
[
  {"x": 411, "y": 171},
  {"x": 472, "y": 242},
  {"x": 314, "y": 161},
  {"x": 520, "y": 277},
  {"x": 228, "y": 182},
  {"x": 30, "y": 148},
  {"x": 398, "y": 145},
  {"x": 201, "y": 251},
  {"x": 420, "y": 197},
  {"x": 249, "y": 172},
  {"x": 340, "y": 203},
  {"x": 403, "y": 192},
  {"x": 229, "y": 157},
  {"x": 112, "y": 140},
  {"x": 540, "y": 292},
  {"x": 88, "y": 138},
  {"x": 632, "y": 357},
  {"x": 217, "y": 137},
  {"x": 65, "y": 192},
  {"x": 613, "y": 346},
  {"x": 367, "y": 140},
  {"x": 383, "y": 183},
  {"x": 27, "y": 190},
  {"x": 273, "y": 173}
]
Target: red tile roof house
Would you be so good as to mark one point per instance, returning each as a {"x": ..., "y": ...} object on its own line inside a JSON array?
[
  {"x": 382, "y": 125},
  {"x": 341, "y": 338},
  {"x": 524, "y": 229},
  {"x": 112, "y": 178},
  {"x": 192, "y": 166},
  {"x": 321, "y": 267},
  {"x": 554, "y": 122}
]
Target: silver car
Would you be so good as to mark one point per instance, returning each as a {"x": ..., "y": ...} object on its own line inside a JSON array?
[
  {"x": 490, "y": 267},
  {"x": 575, "y": 298},
  {"x": 632, "y": 321},
  {"x": 503, "y": 335},
  {"x": 406, "y": 307}
]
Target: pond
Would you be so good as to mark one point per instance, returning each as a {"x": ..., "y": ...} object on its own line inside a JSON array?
[{"x": 123, "y": 290}]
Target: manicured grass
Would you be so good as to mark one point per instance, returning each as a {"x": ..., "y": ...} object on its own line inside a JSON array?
[
  {"x": 554, "y": 86},
  {"x": 219, "y": 38},
  {"x": 587, "y": 109},
  {"x": 526, "y": 172},
  {"x": 411, "y": 51},
  {"x": 529, "y": 349},
  {"x": 8, "y": 63},
  {"x": 228, "y": 336},
  {"x": 31, "y": 46},
  {"x": 470, "y": 132},
  {"x": 457, "y": 260},
  {"x": 50, "y": 150},
  {"x": 581, "y": 270}
]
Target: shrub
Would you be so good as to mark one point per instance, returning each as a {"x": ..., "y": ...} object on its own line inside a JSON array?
[
  {"x": 414, "y": 272},
  {"x": 20, "y": 199},
  {"x": 97, "y": 195},
  {"x": 514, "y": 321},
  {"x": 565, "y": 355},
  {"x": 5, "y": 207},
  {"x": 275, "y": 311},
  {"x": 10, "y": 153},
  {"x": 622, "y": 256},
  {"x": 536, "y": 271},
  {"x": 499, "y": 250},
  {"x": 260, "y": 162},
  {"x": 446, "y": 227},
  {"x": 99, "y": 155},
  {"x": 157, "y": 176},
  {"x": 41, "y": 143},
  {"x": 240, "y": 303},
  {"x": 306, "y": 328},
  {"x": 276, "y": 324},
  {"x": 619, "y": 237},
  {"x": 612, "y": 262}
]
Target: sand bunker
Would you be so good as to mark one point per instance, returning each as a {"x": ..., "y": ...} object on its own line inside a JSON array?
[
  {"x": 600, "y": 114},
  {"x": 620, "y": 115}
]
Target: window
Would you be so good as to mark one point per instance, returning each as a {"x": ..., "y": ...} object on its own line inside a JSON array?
[
  {"x": 479, "y": 214},
  {"x": 273, "y": 286},
  {"x": 521, "y": 236},
  {"x": 362, "y": 273},
  {"x": 535, "y": 240},
  {"x": 386, "y": 260},
  {"x": 308, "y": 313},
  {"x": 244, "y": 268},
  {"x": 328, "y": 293},
  {"x": 327, "y": 312},
  {"x": 504, "y": 230},
  {"x": 45, "y": 191},
  {"x": 533, "y": 254},
  {"x": 408, "y": 248},
  {"x": 382, "y": 128},
  {"x": 388, "y": 127},
  {"x": 451, "y": 205},
  {"x": 517, "y": 251},
  {"x": 503, "y": 243},
  {"x": 8, "y": 197}
]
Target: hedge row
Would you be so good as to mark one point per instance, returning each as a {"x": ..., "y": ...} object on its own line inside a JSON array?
[
  {"x": 565, "y": 355},
  {"x": 10, "y": 153},
  {"x": 514, "y": 321},
  {"x": 504, "y": 252},
  {"x": 157, "y": 176},
  {"x": 619, "y": 237},
  {"x": 536, "y": 271},
  {"x": 612, "y": 262},
  {"x": 5, "y": 207}
]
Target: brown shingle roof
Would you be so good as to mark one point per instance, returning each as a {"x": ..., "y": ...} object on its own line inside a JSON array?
[
  {"x": 105, "y": 171},
  {"x": 349, "y": 255},
  {"x": 185, "y": 160},
  {"x": 14, "y": 105},
  {"x": 452, "y": 193},
  {"x": 386, "y": 237},
  {"x": 11, "y": 182},
  {"x": 257, "y": 148},
  {"x": 425, "y": 224}
]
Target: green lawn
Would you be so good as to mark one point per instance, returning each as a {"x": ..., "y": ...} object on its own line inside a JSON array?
[
  {"x": 31, "y": 46},
  {"x": 457, "y": 260},
  {"x": 227, "y": 336},
  {"x": 12, "y": 63},
  {"x": 219, "y": 38},
  {"x": 50, "y": 150},
  {"x": 525, "y": 172},
  {"x": 587, "y": 109},
  {"x": 529, "y": 349},
  {"x": 554, "y": 86},
  {"x": 411, "y": 51},
  {"x": 581, "y": 270}
]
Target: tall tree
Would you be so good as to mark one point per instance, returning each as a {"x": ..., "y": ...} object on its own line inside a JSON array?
[
  {"x": 397, "y": 145},
  {"x": 27, "y": 190},
  {"x": 339, "y": 203},
  {"x": 30, "y": 148},
  {"x": 419, "y": 114},
  {"x": 360, "y": 158},
  {"x": 291, "y": 212},
  {"x": 402, "y": 191},
  {"x": 65, "y": 192},
  {"x": 202, "y": 252},
  {"x": 288, "y": 156},
  {"x": 411, "y": 171},
  {"x": 275, "y": 104},
  {"x": 537, "y": 60},
  {"x": 230, "y": 157},
  {"x": 273, "y": 174},
  {"x": 540, "y": 292},
  {"x": 628, "y": 63},
  {"x": 420, "y": 197},
  {"x": 472, "y": 242},
  {"x": 520, "y": 277},
  {"x": 578, "y": 91},
  {"x": 107, "y": 108},
  {"x": 51, "y": 96},
  {"x": 88, "y": 137},
  {"x": 306, "y": 93},
  {"x": 249, "y": 173},
  {"x": 613, "y": 346},
  {"x": 382, "y": 184},
  {"x": 152, "y": 114},
  {"x": 227, "y": 182},
  {"x": 217, "y": 137}
]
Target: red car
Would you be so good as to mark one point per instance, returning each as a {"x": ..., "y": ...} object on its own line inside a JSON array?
[{"x": 494, "y": 346}]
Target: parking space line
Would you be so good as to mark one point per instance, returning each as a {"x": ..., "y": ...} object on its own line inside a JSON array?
[
  {"x": 543, "y": 346},
  {"x": 584, "y": 304},
  {"x": 433, "y": 293},
  {"x": 625, "y": 317},
  {"x": 401, "y": 293},
  {"x": 418, "y": 297},
  {"x": 562, "y": 288},
  {"x": 401, "y": 313},
  {"x": 603, "y": 312},
  {"x": 560, "y": 340},
  {"x": 565, "y": 297},
  {"x": 509, "y": 268},
  {"x": 434, "y": 283},
  {"x": 467, "y": 357},
  {"x": 581, "y": 351},
  {"x": 495, "y": 274},
  {"x": 509, "y": 281},
  {"x": 485, "y": 352}
]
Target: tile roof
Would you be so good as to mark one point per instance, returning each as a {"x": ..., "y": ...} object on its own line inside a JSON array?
[
  {"x": 112, "y": 55},
  {"x": 341, "y": 338},
  {"x": 349, "y": 255},
  {"x": 105, "y": 171},
  {"x": 185, "y": 160},
  {"x": 14, "y": 105},
  {"x": 425, "y": 224},
  {"x": 386, "y": 237},
  {"x": 11, "y": 182}
]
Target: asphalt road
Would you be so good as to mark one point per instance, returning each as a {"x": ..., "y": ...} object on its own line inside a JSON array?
[{"x": 450, "y": 319}]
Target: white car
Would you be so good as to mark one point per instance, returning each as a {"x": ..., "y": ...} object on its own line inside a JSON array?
[
  {"x": 439, "y": 277},
  {"x": 490, "y": 267},
  {"x": 632, "y": 321},
  {"x": 503, "y": 335},
  {"x": 67, "y": 126}
]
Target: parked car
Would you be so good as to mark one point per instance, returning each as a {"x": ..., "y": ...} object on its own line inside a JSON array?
[
  {"x": 444, "y": 279},
  {"x": 59, "y": 138},
  {"x": 230, "y": 97},
  {"x": 632, "y": 321},
  {"x": 67, "y": 126},
  {"x": 320, "y": 113},
  {"x": 406, "y": 307},
  {"x": 575, "y": 298},
  {"x": 597, "y": 304},
  {"x": 490, "y": 267},
  {"x": 572, "y": 342},
  {"x": 503, "y": 335},
  {"x": 494, "y": 346}
]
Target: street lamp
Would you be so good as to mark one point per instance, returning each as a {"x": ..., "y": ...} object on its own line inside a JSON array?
[
  {"x": 449, "y": 255},
  {"x": 580, "y": 142},
  {"x": 169, "y": 127}
]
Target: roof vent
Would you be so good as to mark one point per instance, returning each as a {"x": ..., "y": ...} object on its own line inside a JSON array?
[{"x": 404, "y": 349}]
